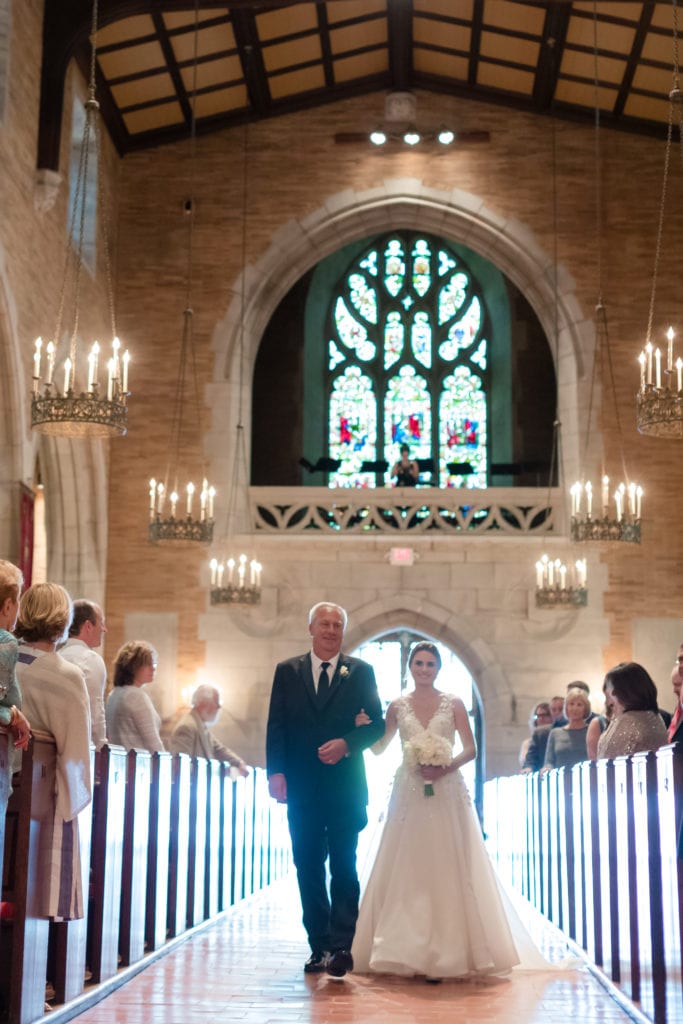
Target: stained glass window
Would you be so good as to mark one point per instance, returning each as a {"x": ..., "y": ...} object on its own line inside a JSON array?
[
  {"x": 352, "y": 427},
  {"x": 462, "y": 427},
  {"x": 408, "y": 363}
]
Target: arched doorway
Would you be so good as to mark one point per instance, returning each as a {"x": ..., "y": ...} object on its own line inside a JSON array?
[{"x": 388, "y": 654}]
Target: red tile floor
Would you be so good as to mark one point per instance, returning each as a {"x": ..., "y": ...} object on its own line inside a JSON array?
[{"x": 247, "y": 969}]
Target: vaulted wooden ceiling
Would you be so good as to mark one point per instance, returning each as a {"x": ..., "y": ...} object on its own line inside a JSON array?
[{"x": 157, "y": 60}]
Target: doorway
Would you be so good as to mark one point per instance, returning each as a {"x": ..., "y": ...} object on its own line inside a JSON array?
[{"x": 388, "y": 654}]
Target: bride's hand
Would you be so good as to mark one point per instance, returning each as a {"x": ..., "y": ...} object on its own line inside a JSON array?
[{"x": 362, "y": 718}]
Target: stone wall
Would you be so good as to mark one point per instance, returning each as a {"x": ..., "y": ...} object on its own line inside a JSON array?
[{"x": 475, "y": 594}]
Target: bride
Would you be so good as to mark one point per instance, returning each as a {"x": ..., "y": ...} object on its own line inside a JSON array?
[{"x": 433, "y": 905}]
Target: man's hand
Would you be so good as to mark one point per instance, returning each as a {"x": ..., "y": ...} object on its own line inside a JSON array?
[
  {"x": 332, "y": 751},
  {"x": 277, "y": 787}
]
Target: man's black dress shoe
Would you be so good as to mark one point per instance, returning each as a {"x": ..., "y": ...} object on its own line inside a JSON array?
[
  {"x": 339, "y": 963},
  {"x": 316, "y": 963}
]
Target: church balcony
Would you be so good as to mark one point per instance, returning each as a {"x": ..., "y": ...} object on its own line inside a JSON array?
[{"x": 493, "y": 511}]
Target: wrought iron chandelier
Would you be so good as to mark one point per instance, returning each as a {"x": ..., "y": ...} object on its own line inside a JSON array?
[
  {"x": 556, "y": 587},
  {"x": 60, "y": 405},
  {"x": 235, "y": 578},
  {"x": 183, "y": 515},
  {"x": 659, "y": 402},
  {"x": 597, "y": 515}
]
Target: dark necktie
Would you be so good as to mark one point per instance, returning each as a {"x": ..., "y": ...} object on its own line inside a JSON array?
[{"x": 323, "y": 681}]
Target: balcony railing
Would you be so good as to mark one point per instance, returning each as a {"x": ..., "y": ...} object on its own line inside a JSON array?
[{"x": 494, "y": 511}]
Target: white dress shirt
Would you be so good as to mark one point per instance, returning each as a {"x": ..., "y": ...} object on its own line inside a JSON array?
[
  {"x": 94, "y": 672},
  {"x": 316, "y": 667}
]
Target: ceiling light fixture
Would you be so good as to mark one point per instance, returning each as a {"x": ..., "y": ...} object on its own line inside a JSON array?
[
  {"x": 659, "y": 401},
  {"x": 95, "y": 411}
]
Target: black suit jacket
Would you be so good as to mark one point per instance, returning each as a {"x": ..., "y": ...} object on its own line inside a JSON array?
[
  {"x": 298, "y": 724},
  {"x": 535, "y": 755}
]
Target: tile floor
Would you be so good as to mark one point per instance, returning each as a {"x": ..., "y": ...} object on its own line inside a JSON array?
[{"x": 247, "y": 969}]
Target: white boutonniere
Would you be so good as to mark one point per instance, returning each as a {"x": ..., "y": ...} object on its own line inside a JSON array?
[{"x": 344, "y": 671}]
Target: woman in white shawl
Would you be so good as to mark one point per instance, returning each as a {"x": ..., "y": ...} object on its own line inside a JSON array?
[{"x": 56, "y": 702}]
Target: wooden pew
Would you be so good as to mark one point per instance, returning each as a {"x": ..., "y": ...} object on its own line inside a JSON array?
[
  {"x": 134, "y": 863},
  {"x": 70, "y": 937},
  {"x": 179, "y": 849},
  {"x": 227, "y": 864},
  {"x": 214, "y": 844},
  {"x": 158, "y": 852},
  {"x": 24, "y": 939},
  {"x": 196, "y": 869},
  {"x": 5, "y": 773},
  {"x": 106, "y": 863}
]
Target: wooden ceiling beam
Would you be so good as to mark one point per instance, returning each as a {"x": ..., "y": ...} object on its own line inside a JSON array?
[
  {"x": 400, "y": 33},
  {"x": 550, "y": 55}
]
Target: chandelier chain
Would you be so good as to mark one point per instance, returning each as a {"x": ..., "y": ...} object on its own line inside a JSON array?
[
  {"x": 665, "y": 181},
  {"x": 188, "y": 361},
  {"x": 240, "y": 457}
]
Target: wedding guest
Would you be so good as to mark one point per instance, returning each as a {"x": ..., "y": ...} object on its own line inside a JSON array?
[
  {"x": 192, "y": 736},
  {"x": 567, "y": 743},
  {"x": 675, "y": 730},
  {"x": 636, "y": 724},
  {"x": 85, "y": 635},
  {"x": 314, "y": 754},
  {"x": 577, "y": 684},
  {"x": 597, "y": 726},
  {"x": 132, "y": 719},
  {"x": 556, "y": 708},
  {"x": 540, "y": 715},
  {"x": 11, "y": 582},
  {"x": 56, "y": 702}
]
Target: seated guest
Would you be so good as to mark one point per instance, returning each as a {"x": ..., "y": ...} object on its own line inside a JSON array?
[
  {"x": 636, "y": 723},
  {"x": 56, "y": 702},
  {"x": 191, "y": 735},
  {"x": 539, "y": 716},
  {"x": 11, "y": 581},
  {"x": 567, "y": 743},
  {"x": 132, "y": 719}
]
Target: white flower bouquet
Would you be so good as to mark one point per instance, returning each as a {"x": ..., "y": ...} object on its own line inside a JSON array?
[{"x": 428, "y": 749}]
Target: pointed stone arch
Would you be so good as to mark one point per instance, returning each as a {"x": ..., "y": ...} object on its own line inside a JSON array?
[{"x": 408, "y": 203}]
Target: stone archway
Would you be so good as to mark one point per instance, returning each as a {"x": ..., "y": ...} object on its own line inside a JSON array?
[{"x": 454, "y": 214}]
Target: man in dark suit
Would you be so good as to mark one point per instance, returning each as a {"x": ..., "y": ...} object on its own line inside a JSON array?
[{"x": 314, "y": 754}]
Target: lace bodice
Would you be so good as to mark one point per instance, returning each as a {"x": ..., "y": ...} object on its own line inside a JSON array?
[{"x": 441, "y": 723}]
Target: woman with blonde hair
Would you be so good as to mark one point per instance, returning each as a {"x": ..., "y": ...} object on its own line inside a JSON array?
[
  {"x": 567, "y": 743},
  {"x": 56, "y": 702},
  {"x": 11, "y": 582},
  {"x": 132, "y": 719}
]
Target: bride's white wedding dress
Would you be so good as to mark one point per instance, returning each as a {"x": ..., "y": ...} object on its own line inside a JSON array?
[{"x": 433, "y": 904}]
